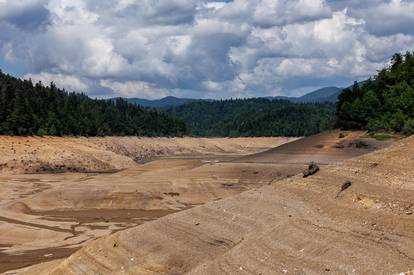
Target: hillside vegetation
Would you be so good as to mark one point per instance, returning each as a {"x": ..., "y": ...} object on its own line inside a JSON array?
[
  {"x": 27, "y": 109},
  {"x": 255, "y": 117},
  {"x": 385, "y": 102},
  {"x": 35, "y": 109}
]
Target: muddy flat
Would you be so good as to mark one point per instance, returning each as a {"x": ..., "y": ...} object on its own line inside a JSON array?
[{"x": 220, "y": 198}]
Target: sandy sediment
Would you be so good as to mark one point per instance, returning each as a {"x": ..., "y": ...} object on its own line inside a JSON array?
[
  {"x": 57, "y": 195},
  {"x": 294, "y": 225},
  {"x": 55, "y": 154},
  {"x": 255, "y": 215}
]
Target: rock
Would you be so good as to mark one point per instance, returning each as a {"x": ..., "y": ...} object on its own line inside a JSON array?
[
  {"x": 344, "y": 186},
  {"x": 359, "y": 144},
  {"x": 312, "y": 169}
]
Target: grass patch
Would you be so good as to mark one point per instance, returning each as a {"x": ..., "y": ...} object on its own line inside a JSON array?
[{"x": 382, "y": 136}]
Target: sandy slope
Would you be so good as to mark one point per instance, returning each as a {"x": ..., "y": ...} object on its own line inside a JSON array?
[
  {"x": 292, "y": 226},
  {"x": 55, "y": 154},
  {"x": 49, "y": 215}
]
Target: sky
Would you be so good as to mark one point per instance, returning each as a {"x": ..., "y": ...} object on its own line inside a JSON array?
[{"x": 200, "y": 48}]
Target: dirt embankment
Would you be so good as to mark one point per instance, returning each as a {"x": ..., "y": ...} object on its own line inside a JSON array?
[
  {"x": 31, "y": 155},
  {"x": 45, "y": 215},
  {"x": 292, "y": 226}
]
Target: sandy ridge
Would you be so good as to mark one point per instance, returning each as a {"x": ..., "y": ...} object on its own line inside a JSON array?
[
  {"x": 292, "y": 226},
  {"x": 108, "y": 154}
]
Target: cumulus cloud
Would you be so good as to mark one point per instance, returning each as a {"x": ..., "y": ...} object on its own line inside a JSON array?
[
  {"x": 138, "y": 89},
  {"x": 384, "y": 18},
  {"x": 70, "y": 83},
  {"x": 201, "y": 48}
]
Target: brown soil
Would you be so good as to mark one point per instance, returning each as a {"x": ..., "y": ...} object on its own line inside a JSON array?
[
  {"x": 256, "y": 216},
  {"x": 110, "y": 154},
  {"x": 325, "y": 148},
  {"x": 103, "y": 215},
  {"x": 28, "y": 258},
  {"x": 43, "y": 212}
]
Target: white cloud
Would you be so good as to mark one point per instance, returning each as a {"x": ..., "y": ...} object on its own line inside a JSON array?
[
  {"x": 200, "y": 48},
  {"x": 134, "y": 89},
  {"x": 215, "y": 5},
  {"x": 70, "y": 12},
  {"x": 390, "y": 17},
  {"x": 68, "y": 82},
  {"x": 282, "y": 12}
]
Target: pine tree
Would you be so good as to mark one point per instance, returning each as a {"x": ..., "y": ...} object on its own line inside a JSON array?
[{"x": 27, "y": 109}]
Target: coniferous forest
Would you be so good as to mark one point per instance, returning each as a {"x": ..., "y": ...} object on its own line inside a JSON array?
[
  {"x": 27, "y": 109},
  {"x": 255, "y": 117},
  {"x": 383, "y": 103}
]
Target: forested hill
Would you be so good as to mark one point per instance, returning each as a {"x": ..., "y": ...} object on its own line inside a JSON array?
[
  {"x": 27, "y": 109},
  {"x": 255, "y": 117},
  {"x": 384, "y": 103},
  {"x": 35, "y": 109}
]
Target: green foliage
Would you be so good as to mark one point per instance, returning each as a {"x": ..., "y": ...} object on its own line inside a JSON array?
[
  {"x": 255, "y": 117},
  {"x": 385, "y": 103},
  {"x": 382, "y": 136},
  {"x": 27, "y": 109}
]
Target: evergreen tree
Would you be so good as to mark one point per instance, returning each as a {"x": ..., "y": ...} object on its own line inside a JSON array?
[
  {"x": 27, "y": 109},
  {"x": 255, "y": 117},
  {"x": 385, "y": 102}
]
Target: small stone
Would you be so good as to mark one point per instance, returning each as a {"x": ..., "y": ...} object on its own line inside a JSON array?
[{"x": 311, "y": 170}]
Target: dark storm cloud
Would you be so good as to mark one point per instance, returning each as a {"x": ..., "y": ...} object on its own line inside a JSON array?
[{"x": 200, "y": 48}]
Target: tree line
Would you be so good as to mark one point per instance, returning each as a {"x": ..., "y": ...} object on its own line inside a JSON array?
[
  {"x": 254, "y": 117},
  {"x": 36, "y": 109},
  {"x": 382, "y": 103}
]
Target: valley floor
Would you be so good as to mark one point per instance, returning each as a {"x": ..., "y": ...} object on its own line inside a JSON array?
[
  {"x": 58, "y": 194},
  {"x": 256, "y": 214}
]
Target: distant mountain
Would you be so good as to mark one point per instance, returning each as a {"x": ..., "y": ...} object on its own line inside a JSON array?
[
  {"x": 169, "y": 101},
  {"x": 327, "y": 94}
]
